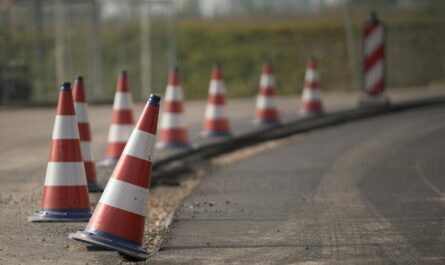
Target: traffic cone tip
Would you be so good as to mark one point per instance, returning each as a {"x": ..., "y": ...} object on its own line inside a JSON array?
[{"x": 65, "y": 86}]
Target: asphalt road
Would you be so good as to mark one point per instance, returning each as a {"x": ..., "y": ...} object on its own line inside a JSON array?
[
  {"x": 24, "y": 143},
  {"x": 368, "y": 192}
]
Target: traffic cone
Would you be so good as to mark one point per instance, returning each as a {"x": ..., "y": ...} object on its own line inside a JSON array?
[
  {"x": 80, "y": 106},
  {"x": 266, "y": 110},
  {"x": 118, "y": 220},
  {"x": 311, "y": 99},
  {"x": 122, "y": 122},
  {"x": 173, "y": 133},
  {"x": 216, "y": 123},
  {"x": 65, "y": 193}
]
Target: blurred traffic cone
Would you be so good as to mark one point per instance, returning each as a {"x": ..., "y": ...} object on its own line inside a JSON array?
[
  {"x": 311, "y": 100},
  {"x": 266, "y": 110},
  {"x": 65, "y": 194},
  {"x": 173, "y": 133},
  {"x": 80, "y": 106},
  {"x": 122, "y": 122},
  {"x": 118, "y": 220},
  {"x": 216, "y": 123}
]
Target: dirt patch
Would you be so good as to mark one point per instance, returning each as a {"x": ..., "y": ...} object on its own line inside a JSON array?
[{"x": 162, "y": 203}]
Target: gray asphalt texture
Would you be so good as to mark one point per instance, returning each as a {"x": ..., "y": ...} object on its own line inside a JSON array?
[{"x": 367, "y": 192}]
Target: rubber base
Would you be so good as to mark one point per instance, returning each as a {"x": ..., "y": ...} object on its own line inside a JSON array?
[
  {"x": 173, "y": 145},
  {"x": 305, "y": 113},
  {"x": 109, "y": 162},
  {"x": 266, "y": 122},
  {"x": 69, "y": 215},
  {"x": 133, "y": 251},
  {"x": 215, "y": 134},
  {"x": 373, "y": 101},
  {"x": 93, "y": 187}
]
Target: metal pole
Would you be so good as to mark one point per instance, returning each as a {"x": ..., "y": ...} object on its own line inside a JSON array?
[
  {"x": 146, "y": 84},
  {"x": 40, "y": 49},
  {"x": 96, "y": 52},
  {"x": 173, "y": 54},
  {"x": 59, "y": 30},
  {"x": 5, "y": 63},
  {"x": 352, "y": 53}
]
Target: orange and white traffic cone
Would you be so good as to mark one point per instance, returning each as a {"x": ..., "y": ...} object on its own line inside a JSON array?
[
  {"x": 173, "y": 133},
  {"x": 65, "y": 194},
  {"x": 80, "y": 105},
  {"x": 216, "y": 123},
  {"x": 266, "y": 111},
  {"x": 122, "y": 121},
  {"x": 311, "y": 99},
  {"x": 118, "y": 220}
]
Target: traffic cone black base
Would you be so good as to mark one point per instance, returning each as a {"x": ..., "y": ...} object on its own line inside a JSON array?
[
  {"x": 68, "y": 215},
  {"x": 94, "y": 187},
  {"x": 210, "y": 134},
  {"x": 122, "y": 245}
]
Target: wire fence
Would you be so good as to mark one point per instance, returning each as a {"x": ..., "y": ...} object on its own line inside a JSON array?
[{"x": 45, "y": 42}]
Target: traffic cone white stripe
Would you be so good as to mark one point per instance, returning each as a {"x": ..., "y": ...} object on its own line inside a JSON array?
[
  {"x": 173, "y": 93},
  {"x": 311, "y": 95},
  {"x": 140, "y": 145},
  {"x": 122, "y": 101},
  {"x": 215, "y": 111},
  {"x": 217, "y": 87},
  {"x": 119, "y": 132},
  {"x": 374, "y": 40},
  {"x": 81, "y": 113},
  {"x": 267, "y": 80},
  {"x": 374, "y": 75},
  {"x": 311, "y": 75},
  {"x": 65, "y": 174},
  {"x": 65, "y": 127},
  {"x": 85, "y": 149},
  {"x": 131, "y": 198},
  {"x": 265, "y": 102},
  {"x": 171, "y": 120}
]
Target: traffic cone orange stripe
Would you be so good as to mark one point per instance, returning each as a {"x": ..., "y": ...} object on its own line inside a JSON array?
[
  {"x": 65, "y": 195},
  {"x": 311, "y": 99},
  {"x": 122, "y": 121},
  {"x": 173, "y": 133},
  {"x": 119, "y": 218},
  {"x": 269, "y": 115},
  {"x": 266, "y": 110},
  {"x": 221, "y": 125},
  {"x": 217, "y": 99},
  {"x": 58, "y": 197},
  {"x": 114, "y": 226},
  {"x": 173, "y": 106},
  {"x": 216, "y": 123},
  {"x": 65, "y": 150},
  {"x": 268, "y": 91},
  {"x": 83, "y": 124},
  {"x": 84, "y": 131},
  {"x": 122, "y": 116}
]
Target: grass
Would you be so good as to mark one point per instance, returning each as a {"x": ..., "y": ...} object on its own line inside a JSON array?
[{"x": 241, "y": 46}]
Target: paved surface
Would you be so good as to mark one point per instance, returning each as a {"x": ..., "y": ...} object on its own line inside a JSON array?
[
  {"x": 25, "y": 139},
  {"x": 368, "y": 192}
]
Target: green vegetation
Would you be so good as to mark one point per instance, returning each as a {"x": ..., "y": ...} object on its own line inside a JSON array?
[{"x": 415, "y": 49}]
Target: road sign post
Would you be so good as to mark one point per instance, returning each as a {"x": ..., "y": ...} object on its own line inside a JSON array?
[{"x": 374, "y": 62}]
